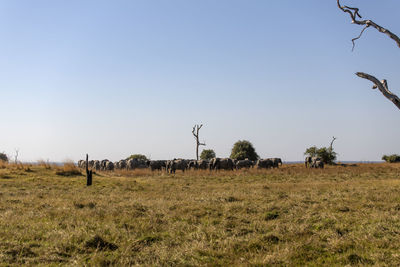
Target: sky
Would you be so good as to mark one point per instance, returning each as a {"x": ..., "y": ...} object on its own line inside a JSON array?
[{"x": 115, "y": 78}]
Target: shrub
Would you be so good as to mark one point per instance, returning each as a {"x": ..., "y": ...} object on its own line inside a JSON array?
[
  {"x": 207, "y": 154},
  {"x": 244, "y": 150},
  {"x": 391, "y": 158},
  {"x": 327, "y": 155},
  {"x": 3, "y": 157},
  {"x": 137, "y": 156}
]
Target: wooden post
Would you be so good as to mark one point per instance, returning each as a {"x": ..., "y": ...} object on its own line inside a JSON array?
[{"x": 88, "y": 172}]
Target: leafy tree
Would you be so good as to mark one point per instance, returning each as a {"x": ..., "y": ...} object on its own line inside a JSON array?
[
  {"x": 3, "y": 157},
  {"x": 244, "y": 150},
  {"x": 137, "y": 156},
  {"x": 391, "y": 158},
  {"x": 207, "y": 154},
  {"x": 311, "y": 151},
  {"x": 327, "y": 155}
]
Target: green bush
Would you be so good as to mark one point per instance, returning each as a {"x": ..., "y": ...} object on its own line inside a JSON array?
[
  {"x": 391, "y": 158},
  {"x": 207, "y": 154},
  {"x": 244, "y": 150},
  {"x": 137, "y": 156},
  {"x": 3, "y": 157},
  {"x": 327, "y": 155}
]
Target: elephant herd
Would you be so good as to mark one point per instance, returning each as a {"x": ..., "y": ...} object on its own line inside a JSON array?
[
  {"x": 106, "y": 165},
  {"x": 170, "y": 166},
  {"x": 314, "y": 162}
]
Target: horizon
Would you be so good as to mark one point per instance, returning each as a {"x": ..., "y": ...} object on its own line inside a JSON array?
[{"x": 133, "y": 77}]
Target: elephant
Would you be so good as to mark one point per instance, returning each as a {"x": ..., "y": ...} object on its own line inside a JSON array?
[
  {"x": 246, "y": 163},
  {"x": 224, "y": 164},
  {"x": 168, "y": 165},
  {"x": 116, "y": 165},
  {"x": 264, "y": 164},
  {"x": 109, "y": 166},
  {"x": 131, "y": 164},
  {"x": 314, "y": 162},
  {"x": 82, "y": 164},
  {"x": 308, "y": 161},
  {"x": 276, "y": 162},
  {"x": 90, "y": 163},
  {"x": 136, "y": 164},
  {"x": 177, "y": 164},
  {"x": 318, "y": 164},
  {"x": 120, "y": 165},
  {"x": 96, "y": 165},
  {"x": 156, "y": 164},
  {"x": 202, "y": 164},
  {"x": 192, "y": 165},
  {"x": 103, "y": 164}
]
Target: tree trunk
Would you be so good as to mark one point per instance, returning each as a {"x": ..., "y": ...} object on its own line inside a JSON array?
[
  {"x": 89, "y": 173},
  {"x": 195, "y": 133}
]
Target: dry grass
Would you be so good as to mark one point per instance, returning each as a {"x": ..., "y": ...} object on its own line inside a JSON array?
[
  {"x": 291, "y": 216},
  {"x": 44, "y": 164},
  {"x": 68, "y": 169}
]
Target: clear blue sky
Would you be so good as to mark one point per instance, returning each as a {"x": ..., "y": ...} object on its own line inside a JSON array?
[{"x": 113, "y": 78}]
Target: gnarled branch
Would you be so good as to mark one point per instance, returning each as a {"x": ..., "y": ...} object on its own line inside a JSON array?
[
  {"x": 381, "y": 85},
  {"x": 354, "y": 13},
  {"x": 358, "y": 37}
]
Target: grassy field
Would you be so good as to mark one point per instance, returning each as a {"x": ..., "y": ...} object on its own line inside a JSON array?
[{"x": 290, "y": 216}]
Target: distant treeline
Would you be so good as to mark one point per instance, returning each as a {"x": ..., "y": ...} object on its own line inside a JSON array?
[{"x": 391, "y": 158}]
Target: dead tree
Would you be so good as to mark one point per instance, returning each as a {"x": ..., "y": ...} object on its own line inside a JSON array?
[
  {"x": 195, "y": 133},
  {"x": 89, "y": 173},
  {"x": 16, "y": 155},
  {"x": 355, "y": 19},
  {"x": 331, "y": 146}
]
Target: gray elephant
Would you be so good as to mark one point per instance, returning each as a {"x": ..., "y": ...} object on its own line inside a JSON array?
[
  {"x": 308, "y": 161},
  {"x": 264, "y": 164},
  {"x": 202, "y": 164},
  {"x": 192, "y": 165},
  {"x": 222, "y": 164},
  {"x": 314, "y": 162},
  {"x": 116, "y": 165},
  {"x": 177, "y": 164},
  {"x": 276, "y": 162},
  {"x": 131, "y": 164},
  {"x": 109, "y": 166},
  {"x": 82, "y": 164},
  {"x": 96, "y": 165},
  {"x": 317, "y": 163},
  {"x": 156, "y": 164},
  {"x": 136, "y": 164},
  {"x": 246, "y": 163},
  {"x": 121, "y": 165},
  {"x": 90, "y": 163},
  {"x": 103, "y": 164}
]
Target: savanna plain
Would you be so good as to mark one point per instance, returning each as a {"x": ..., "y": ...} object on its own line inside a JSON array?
[{"x": 291, "y": 216}]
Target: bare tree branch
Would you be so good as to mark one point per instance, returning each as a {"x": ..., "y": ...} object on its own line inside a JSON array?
[
  {"x": 358, "y": 37},
  {"x": 331, "y": 146},
  {"x": 381, "y": 85},
  {"x": 354, "y": 13}
]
